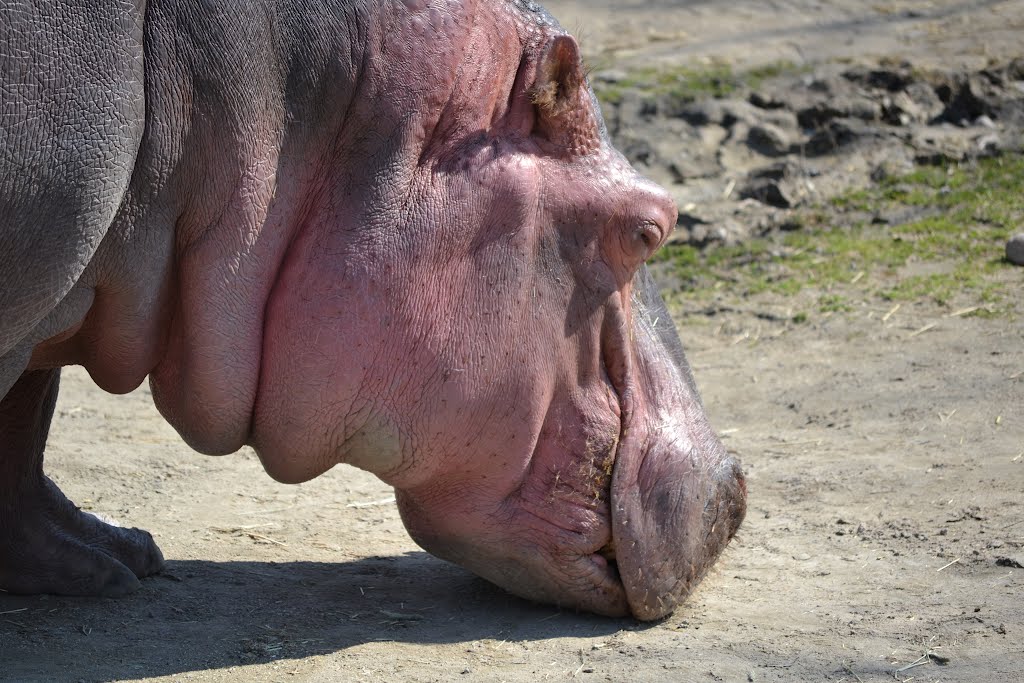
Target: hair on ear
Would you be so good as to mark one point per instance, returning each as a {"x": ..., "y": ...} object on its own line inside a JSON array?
[{"x": 559, "y": 77}]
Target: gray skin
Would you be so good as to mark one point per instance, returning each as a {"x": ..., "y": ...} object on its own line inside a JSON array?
[{"x": 390, "y": 233}]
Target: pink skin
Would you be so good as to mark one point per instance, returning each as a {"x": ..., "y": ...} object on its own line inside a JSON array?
[{"x": 445, "y": 297}]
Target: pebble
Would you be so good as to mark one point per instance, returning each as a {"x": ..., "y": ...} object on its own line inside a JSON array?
[
  {"x": 984, "y": 122},
  {"x": 768, "y": 139},
  {"x": 1015, "y": 250}
]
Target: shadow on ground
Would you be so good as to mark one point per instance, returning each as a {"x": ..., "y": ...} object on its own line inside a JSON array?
[{"x": 202, "y": 615}]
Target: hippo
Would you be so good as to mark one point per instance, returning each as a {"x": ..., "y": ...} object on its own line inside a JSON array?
[{"x": 388, "y": 233}]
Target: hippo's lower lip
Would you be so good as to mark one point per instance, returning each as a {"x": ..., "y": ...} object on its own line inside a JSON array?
[
  {"x": 607, "y": 578},
  {"x": 605, "y": 560}
]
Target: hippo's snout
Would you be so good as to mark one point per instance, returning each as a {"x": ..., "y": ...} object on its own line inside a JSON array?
[{"x": 675, "y": 507}]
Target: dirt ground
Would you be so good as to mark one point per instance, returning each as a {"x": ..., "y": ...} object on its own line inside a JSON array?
[{"x": 885, "y": 462}]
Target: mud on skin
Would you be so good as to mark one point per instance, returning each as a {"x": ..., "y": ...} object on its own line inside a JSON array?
[{"x": 398, "y": 239}]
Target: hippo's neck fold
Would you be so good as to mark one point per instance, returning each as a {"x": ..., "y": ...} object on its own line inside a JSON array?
[
  {"x": 244, "y": 104},
  {"x": 263, "y": 90}
]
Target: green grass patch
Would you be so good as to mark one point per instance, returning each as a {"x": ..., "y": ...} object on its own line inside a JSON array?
[
  {"x": 683, "y": 83},
  {"x": 688, "y": 84},
  {"x": 952, "y": 254}
]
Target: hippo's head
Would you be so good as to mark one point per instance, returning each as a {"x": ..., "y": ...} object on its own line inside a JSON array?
[{"x": 464, "y": 311}]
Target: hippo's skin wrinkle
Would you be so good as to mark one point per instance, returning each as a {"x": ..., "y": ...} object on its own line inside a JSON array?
[{"x": 390, "y": 233}]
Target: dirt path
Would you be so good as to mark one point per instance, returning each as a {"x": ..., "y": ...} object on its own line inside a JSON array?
[
  {"x": 933, "y": 33},
  {"x": 885, "y": 474},
  {"x": 886, "y": 471}
]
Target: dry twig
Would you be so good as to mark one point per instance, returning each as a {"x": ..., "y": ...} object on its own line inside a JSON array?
[
  {"x": 922, "y": 330},
  {"x": 372, "y": 503}
]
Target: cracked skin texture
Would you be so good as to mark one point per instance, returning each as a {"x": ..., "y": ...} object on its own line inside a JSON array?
[{"x": 397, "y": 236}]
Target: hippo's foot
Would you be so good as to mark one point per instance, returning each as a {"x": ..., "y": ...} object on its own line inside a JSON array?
[
  {"x": 48, "y": 545},
  {"x": 53, "y": 547}
]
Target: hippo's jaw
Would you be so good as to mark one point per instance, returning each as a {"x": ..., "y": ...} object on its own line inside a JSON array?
[
  {"x": 627, "y": 500},
  {"x": 545, "y": 534},
  {"x": 546, "y": 539}
]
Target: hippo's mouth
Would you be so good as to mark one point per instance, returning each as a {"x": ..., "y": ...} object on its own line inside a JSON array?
[
  {"x": 672, "y": 516},
  {"x": 676, "y": 497}
]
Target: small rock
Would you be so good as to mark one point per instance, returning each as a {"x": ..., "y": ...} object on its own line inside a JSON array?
[
  {"x": 817, "y": 84},
  {"x": 892, "y": 80},
  {"x": 768, "y": 192},
  {"x": 701, "y": 113},
  {"x": 688, "y": 221},
  {"x": 1015, "y": 69},
  {"x": 765, "y": 101},
  {"x": 965, "y": 101},
  {"x": 899, "y": 110},
  {"x": 1013, "y": 562},
  {"x": 777, "y": 171},
  {"x": 894, "y": 167},
  {"x": 638, "y": 150},
  {"x": 917, "y": 104},
  {"x": 1015, "y": 250},
  {"x": 740, "y": 111},
  {"x": 838, "y": 133},
  {"x": 988, "y": 144},
  {"x": 924, "y": 97},
  {"x": 768, "y": 139},
  {"x": 816, "y": 115},
  {"x": 854, "y": 107},
  {"x": 698, "y": 166}
]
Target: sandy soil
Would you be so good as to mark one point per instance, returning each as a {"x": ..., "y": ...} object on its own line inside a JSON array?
[
  {"x": 931, "y": 33},
  {"x": 886, "y": 471}
]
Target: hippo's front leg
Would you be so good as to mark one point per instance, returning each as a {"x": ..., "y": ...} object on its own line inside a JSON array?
[{"x": 48, "y": 545}]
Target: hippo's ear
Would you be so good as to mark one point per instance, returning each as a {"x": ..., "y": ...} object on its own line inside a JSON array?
[
  {"x": 560, "y": 77},
  {"x": 562, "y": 100}
]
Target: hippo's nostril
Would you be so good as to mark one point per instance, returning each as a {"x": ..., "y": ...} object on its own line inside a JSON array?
[{"x": 643, "y": 241}]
